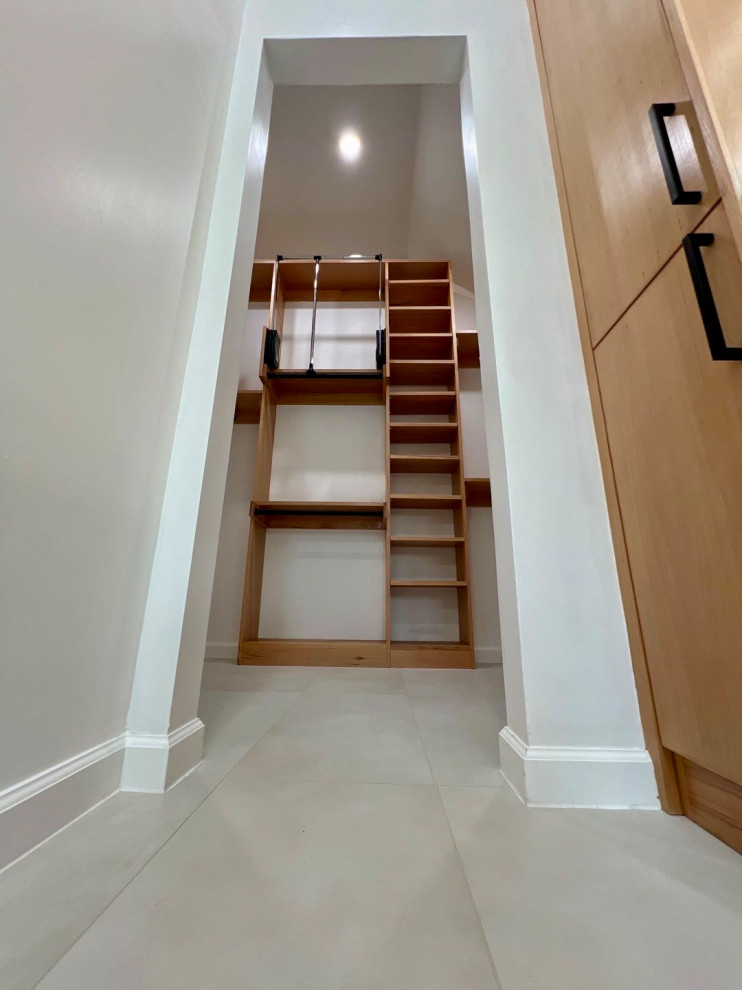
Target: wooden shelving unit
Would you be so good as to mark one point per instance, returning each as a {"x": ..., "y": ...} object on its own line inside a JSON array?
[
  {"x": 419, "y": 379},
  {"x": 424, "y": 382}
]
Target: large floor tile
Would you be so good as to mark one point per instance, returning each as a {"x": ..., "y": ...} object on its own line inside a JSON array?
[
  {"x": 438, "y": 685},
  {"x": 50, "y": 897},
  {"x": 353, "y": 737},
  {"x": 599, "y": 900},
  {"x": 226, "y": 675},
  {"x": 287, "y": 884},
  {"x": 368, "y": 680},
  {"x": 459, "y": 714}
]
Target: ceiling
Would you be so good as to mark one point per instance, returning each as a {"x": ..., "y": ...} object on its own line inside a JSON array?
[{"x": 405, "y": 196}]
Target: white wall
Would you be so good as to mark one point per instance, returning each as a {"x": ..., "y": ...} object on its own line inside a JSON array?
[
  {"x": 345, "y": 333},
  {"x": 312, "y": 202},
  {"x": 323, "y": 585},
  {"x": 439, "y": 213},
  {"x": 329, "y": 454},
  {"x": 111, "y": 126},
  {"x": 229, "y": 576}
]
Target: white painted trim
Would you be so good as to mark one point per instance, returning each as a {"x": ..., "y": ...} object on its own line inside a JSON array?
[
  {"x": 34, "y": 809},
  {"x": 578, "y": 776},
  {"x": 487, "y": 656},
  {"x": 153, "y": 763},
  {"x": 221, "y": 651}
]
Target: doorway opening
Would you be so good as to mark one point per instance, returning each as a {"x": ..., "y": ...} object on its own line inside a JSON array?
[{"x": 362, "y": 502}]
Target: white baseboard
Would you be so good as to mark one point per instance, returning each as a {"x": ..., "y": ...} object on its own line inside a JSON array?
[
  {"x": 153, "y": 763},
  {"x": 221, "y": 651},
  {"x": 486, "y": 656},
  {"x": 34, "y": 809},
  {"x": 578, "y": 777}
]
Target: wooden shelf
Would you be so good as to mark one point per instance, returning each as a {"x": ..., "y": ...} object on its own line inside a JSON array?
[
  {"x": 467, "y": 349},
  {"x": 421, "y": 403},
  {"x": 423, "y": 432},
  {"x": 421, "y": 345},
  {"x": 419, "y": 319},
  {"x": 419, "y": 583},
  {"x": 419, "y": 292},
  {"x": 335, "y": 388},
  {"x": 423, "y": 463},
  {"x": 425, "y": 501},
  {"x": 444, "y": 542},
  {"x": 406, "y": 270},
  {"x": 262, "y": 281},
  {"x": 247, "y": 406},
  {"x": 350, "y": 280},
  {"x": 421, "y": 654},
  {"x": 315, "y": 652},
  {"x": 319, "y": 515},
  {"x": 421, "y": 372},
  {"x": 478, "y": 492}
]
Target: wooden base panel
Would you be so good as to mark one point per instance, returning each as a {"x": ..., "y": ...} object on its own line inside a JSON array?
[
  {"x": 711, "y": 801},
  {"x": 315, "y": 652},
  {"x": 442, "y": 655}
]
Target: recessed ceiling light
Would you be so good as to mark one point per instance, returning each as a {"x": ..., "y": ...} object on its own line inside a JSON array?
[{"x": 349, "y": 146}]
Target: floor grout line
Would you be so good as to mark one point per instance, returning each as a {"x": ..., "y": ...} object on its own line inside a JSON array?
[{"x": 464, "y": 874}]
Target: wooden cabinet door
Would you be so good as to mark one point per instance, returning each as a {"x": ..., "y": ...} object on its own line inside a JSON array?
[
  {"x": 606, "y": 62},
  {"x": 674, "y": 422}
]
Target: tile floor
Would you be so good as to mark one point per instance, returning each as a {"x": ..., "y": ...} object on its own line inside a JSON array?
[{"x": 349, "y": 830}]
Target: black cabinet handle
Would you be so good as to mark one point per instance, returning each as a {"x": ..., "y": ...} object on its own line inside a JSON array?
[
  {"x": 709, "y": 314},
  {"x": 678, "y": 195}
]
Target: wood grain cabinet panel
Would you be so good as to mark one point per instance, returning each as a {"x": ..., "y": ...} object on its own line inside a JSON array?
[
  {"x": 674, "y": 423},
  {"x": 607, "y": 61}
]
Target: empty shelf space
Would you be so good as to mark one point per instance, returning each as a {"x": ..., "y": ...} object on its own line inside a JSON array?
[
  {"x": 421, "y": 345},
  {"x": 413, "y": 501},
  {"x": 478, "y": 492},
  {"x": 247, "y": 406},
  {"x": 423, "y": 432},
  {"x": 417, "y": 270},
  {"x": 467, "y": 349},
  {"x": 320, "y": 515},
  {"x": 420, "y": 583},
  {"x": 424, "y": 463},
  {"x": 337, "y": 387},
  {"x": 419, "y": 319},
  {"x": 443, "y": 542},
  {"x": 419, "y": 292},
  {"x": 421, "y": 372},
  {"x": 421, "y": 403}
]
